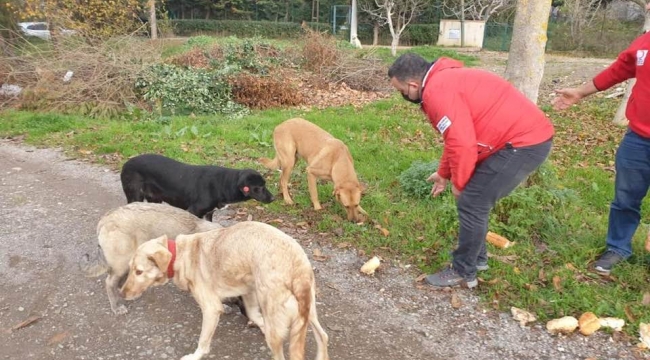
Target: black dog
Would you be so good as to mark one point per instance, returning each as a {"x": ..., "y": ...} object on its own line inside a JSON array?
[{"x": 197, "y": 189}]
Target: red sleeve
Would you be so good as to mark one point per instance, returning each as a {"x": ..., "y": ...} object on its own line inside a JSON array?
[
  {"x": 443, "y": 168},
  {"x": 450, "y": 115},
  {"x": 622, "y": 69}
]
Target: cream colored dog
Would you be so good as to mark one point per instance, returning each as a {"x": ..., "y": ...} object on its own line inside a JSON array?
[
  {"x": 120, "y": 232},
  {"x": 327, "y": 158},
  {"x": 254, "y": 260}
]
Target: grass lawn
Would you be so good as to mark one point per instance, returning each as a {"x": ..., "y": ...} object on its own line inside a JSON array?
[{"x": 559, "y": 221}]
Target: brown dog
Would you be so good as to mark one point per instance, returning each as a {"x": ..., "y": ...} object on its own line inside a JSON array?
[
  {"x": 327, "y": 158},
  {"x": 120, "y": 232},
  {"x": 254, "y": 260}
]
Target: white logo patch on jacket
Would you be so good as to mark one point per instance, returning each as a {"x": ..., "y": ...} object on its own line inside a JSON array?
[
  {"x": 443, "y": 124},
  {"x": 640, "y": 57}
]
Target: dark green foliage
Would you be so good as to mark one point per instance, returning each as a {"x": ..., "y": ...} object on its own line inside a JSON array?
[
  {"x": 177, "y": 90},
  {"x": 414, "y": 179},
  {"x": 243, "y": 28}
]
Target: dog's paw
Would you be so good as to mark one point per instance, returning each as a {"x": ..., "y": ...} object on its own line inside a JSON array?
[
  {"x": 252, "y": 324},
  {"x": 227, "y": 309},
  {"x": 192, "y": 357},
  {"x": 120, "y": 310}
]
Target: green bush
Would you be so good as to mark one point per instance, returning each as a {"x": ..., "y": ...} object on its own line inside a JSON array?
[
  {"x": 414, "y": 179},
  {"x": 201, "y": 41},
  {"x": 244, "y": 54},
  {"x": 178, "y": 90},
  {"x": 534, "y": 208},
  {"x": 243, "y": 28},
  {"x": 413, "y": 35}
]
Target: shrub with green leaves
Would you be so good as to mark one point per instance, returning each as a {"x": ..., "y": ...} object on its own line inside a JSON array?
[
  {"x": 414, "y": 179},
  {"x": 177, "y": 90},
  {"x": 244, "y": 55},
  {"x": 534, "y": 208},
  {"x": 243, "y": 28},
  {"x": 202, "y": 41}
]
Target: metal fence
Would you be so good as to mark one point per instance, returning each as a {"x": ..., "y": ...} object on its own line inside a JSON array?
[{"x": 606, "y": 39}]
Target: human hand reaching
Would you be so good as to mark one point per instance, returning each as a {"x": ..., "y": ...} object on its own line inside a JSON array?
[{"x": 439, "y": 184}]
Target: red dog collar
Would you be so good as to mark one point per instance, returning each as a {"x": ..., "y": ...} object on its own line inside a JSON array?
[{"x": 171, "y": 246}]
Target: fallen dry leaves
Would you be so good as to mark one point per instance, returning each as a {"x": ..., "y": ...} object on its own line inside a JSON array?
[
  {"x": 25, "y": 323},
  {"x": 629, "y": 314},
  {"x": 557, "y": 283},
  {"x": 318, "y": 255},
  {"x": 646, "y": 299},
  {"x": 383, "y": 231},
  {"x": 456, "y": 303},
  {"x": 420, "y": 278},
  {"x": 58, "y": 338}
]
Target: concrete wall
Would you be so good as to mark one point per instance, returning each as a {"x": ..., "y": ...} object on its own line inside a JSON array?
[{"x": 450, "y": 33}]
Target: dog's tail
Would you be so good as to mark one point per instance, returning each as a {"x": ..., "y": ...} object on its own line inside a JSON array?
[
  {"x": 321, "y": 336},
  {"x": 270, "y": 164},
  {"x": 95, "y": 266},
  {"x": 302, "y": 291}
]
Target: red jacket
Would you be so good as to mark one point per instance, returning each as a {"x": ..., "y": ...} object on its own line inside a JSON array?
[
  {"x": 632, "y": 62},
  {"x": 477, "y": 113}
]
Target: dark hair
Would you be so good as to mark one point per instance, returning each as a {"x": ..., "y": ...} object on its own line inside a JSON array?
[{"x": 408, "y": 66}]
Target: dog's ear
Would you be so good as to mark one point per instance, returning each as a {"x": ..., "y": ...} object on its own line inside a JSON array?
[
  {"x": 162, "y": 256},
  {"x": 363, "y": 187},
  {"x": 162, "y": 240}
]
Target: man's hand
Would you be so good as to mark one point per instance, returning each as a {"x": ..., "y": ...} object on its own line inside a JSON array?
[
  {"x": 439, "y": 184},
  {"x": 566, "y": 98},
  {"x": 455, "y": 191}
]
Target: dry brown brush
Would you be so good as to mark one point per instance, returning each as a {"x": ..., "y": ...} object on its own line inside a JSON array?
[{"x": 101, "y": 75}]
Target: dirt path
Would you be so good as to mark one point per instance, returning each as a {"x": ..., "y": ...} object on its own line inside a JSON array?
[
  {"x": 49, "y": 207},
  {"x": 560, "y": 71}
]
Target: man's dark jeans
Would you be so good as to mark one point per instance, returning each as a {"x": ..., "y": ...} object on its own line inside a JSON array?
[
  {"x": 632, "y": 182},
  {"x": 493, "y": 179}
]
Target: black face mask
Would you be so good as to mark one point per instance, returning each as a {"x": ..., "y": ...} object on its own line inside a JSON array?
[{"x": 416, "y": 101}]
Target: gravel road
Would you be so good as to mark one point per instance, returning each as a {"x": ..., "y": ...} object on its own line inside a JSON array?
[{"x": 49, "y": 208}]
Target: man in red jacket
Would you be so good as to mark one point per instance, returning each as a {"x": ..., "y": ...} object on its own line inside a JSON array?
[
  {"x": 494, "y": 137},
  {"x": 633, "y": 154}
]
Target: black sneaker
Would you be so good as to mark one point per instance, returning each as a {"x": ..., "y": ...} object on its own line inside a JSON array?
[
  {"x": 449, "y": 278},
  {"x": 606, "y": 261},
  {"x": 482, "y": 265}
]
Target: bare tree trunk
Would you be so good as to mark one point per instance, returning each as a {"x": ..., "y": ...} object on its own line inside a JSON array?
[
  {"x": 393, "y": 45},
  {"x": 375, "y": 34},
  {"x": 152, "y": 20},
  {"x": 354, "y": 38},
  {"x": 526, "y": 57},
  {"x": 315, "y": 10},
  {"x": 619, "y": 118}
]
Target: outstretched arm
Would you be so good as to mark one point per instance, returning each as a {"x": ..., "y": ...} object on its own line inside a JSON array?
[{"x": 571, "y": 96}]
